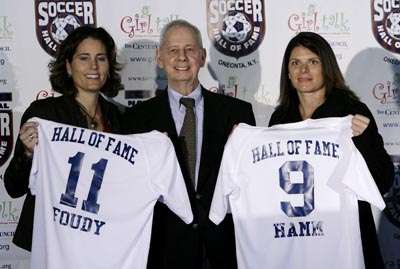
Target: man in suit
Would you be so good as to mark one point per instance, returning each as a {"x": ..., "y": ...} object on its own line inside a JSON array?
[{"x": 202, "y": 244}]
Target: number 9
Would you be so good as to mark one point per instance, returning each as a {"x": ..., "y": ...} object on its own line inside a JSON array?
[{"x": 306, "y": 188}]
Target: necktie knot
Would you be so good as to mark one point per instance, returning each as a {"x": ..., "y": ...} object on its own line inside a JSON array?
[{"x": 187, "y": 102}]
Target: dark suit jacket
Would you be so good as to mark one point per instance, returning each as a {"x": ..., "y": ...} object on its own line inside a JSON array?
[{"x": 174, "y": 244}]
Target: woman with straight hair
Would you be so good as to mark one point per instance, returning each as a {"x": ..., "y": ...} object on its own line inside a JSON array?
[{"x": 312, "y": 86}]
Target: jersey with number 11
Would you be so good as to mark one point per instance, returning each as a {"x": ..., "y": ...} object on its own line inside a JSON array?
[{"x": 95, "y": 194}]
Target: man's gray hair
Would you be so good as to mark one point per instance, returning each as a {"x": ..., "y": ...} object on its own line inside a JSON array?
[{"x": 181, "y": 23}]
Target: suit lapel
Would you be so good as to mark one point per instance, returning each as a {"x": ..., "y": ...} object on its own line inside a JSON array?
[
  {"x": 165, "y": 118},
  {"x": 210, "y": 124}
]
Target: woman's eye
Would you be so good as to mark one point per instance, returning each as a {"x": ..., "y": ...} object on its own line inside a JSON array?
[
  {"x": 102, "y": 58},
  {"x": 83, "y": 57}
]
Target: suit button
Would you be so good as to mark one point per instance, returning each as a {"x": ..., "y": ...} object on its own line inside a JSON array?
[
  {"x": 198, "y": 196},
  {"x": 195, "y": 226}
]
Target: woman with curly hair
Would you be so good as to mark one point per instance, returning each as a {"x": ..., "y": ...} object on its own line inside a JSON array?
[{"x": 85, "y": 69}]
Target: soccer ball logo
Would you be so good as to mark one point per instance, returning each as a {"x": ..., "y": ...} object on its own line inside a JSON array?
[
  {"x": 393, "y": 25},
  {"x": 236, "y": 27},
  {"x": 61, "y": 27}
]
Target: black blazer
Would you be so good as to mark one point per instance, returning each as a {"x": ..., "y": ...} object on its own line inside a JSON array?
[
  {"x": 63, "y": 109},
  {"x": 175, "y": 244},
  {"x": 370, "y": 145}
]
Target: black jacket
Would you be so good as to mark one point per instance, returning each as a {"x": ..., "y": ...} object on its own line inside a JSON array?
[
  {"x": 370, "y": 145},
  {"x": 63, "y": 109},
  {"x": 173, "y": 243}
]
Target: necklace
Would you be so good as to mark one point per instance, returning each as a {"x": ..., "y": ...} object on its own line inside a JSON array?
[{"x": 91, "y": 119}]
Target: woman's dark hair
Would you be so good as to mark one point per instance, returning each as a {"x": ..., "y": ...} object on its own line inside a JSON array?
[
  {"x": 59, "y": 78},
  {"x": 331, "y": 73}
]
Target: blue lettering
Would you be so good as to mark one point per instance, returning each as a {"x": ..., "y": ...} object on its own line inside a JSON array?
[
  {"x": 80, "y": 140},
  {"x": 278, "y": 145},
  {"x": 64, "y": 218},
  {"x": 308, "y": 145},
  {"x": 326, "y": 148},
  {"x": 264, "y": 154},
  {"x": 65, "y": 135},
  {"x": 56, "y": 134},
  {"x": 271, "y": 154},
  {"x": 110, "y": 141},
  {"x": 292, "y": 231},
  {"x": 317, "y": 228},
  {"x": 334, "y": 150},
  {"x": 317, "y": 150},
  {"x": 117, "y": 149},
  {"x": 256, "y": 155},
  {"x": 304, "y": 227},
  {"x": 279, "y": 230},
  {"x": 87, "y": 224},
  {"x": 55, "y": 212},
  {"x": 126, "y": 150},
  {"x": 293, "y": 147},
  {"x": 298, "y": 229},
  {"x": 73, "y": 139},
  {"x": 99, "y": 139},
  {"x": 98, "y": 224},
  {"x": 76, "y": 221},
  {"x": 133, "y": 154},
  {"x": 92, "y": 139}
]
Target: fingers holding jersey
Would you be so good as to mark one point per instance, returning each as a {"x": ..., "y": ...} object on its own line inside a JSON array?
[
  {"x": 28, "y": 134},
  {"x": 358, "y": 124}
]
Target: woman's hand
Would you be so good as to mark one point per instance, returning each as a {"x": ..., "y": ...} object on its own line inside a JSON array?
[
  {"x": 358, "y": 124},
  {"x": 28, "y": 134}
]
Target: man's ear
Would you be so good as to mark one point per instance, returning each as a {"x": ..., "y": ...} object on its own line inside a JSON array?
[
  {"x": 159, "y": 58},
  {"x": 203, "y": 56}
]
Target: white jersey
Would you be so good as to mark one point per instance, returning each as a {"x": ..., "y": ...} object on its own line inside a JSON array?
[
  {"x": 95, "y": 194},
  {"x": 293, "y": 190}
]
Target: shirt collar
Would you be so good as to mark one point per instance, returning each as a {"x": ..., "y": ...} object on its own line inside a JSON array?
[{"x": 175, "y": 96}]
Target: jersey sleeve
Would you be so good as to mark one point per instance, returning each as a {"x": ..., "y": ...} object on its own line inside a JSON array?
[
  {"x": 359, "y": 179},
  {"x": 33, "y": 175},
  {"x": 167, "y": 179},
  {"x": 223, "y": 188},
  {"x": 225, "y": 185}
]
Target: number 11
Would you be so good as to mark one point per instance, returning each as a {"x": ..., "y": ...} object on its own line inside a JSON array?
[{"x": 68, "y": 198}]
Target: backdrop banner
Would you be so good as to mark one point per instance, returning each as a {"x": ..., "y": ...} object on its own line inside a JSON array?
[{"x": 245, "y": 41}]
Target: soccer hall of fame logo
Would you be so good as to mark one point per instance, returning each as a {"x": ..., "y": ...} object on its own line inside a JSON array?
[
  {"x": 6, "y": 127},
  {"x": 385, "y": 19},
  {"x": 392, "y": 198},
  {"x": 236, "y": 27},
  {"x": 55, "y": 20}
]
